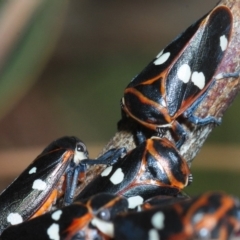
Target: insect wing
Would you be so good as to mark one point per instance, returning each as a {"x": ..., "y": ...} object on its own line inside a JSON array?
[
  {"x": 182, "y": 71},
  {"x": 154, "y": 167},
  {"x": 32, "y": 188},
  {"x": 165, "y": 163},
  {"x": 212, "y": 215},
  {"x": 166, "y": 57},
  {"x": 60, "y": 224},
  {"x": 148, "y": 87},
  {"x": 115, "y": 178},
  {"x": 195, "y": 66}
]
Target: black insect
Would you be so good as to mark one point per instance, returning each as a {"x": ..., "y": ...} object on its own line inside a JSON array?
[
  {"x": 178, "y": 79},
  {"x": 43, "y": 181},
  {"x": 154, "y": 167}
]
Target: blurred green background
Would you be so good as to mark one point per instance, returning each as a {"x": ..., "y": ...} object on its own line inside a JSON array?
[{"x": 102, "y": 46}]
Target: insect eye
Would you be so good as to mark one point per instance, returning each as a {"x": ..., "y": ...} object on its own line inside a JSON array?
[
  {"x": 104, "y": 215},
  {"x": 81, "y": 147}
]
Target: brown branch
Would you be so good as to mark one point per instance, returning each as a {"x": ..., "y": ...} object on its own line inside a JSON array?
[{"x": 215, "y": 104}]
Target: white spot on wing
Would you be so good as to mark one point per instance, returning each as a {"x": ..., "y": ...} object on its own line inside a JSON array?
[
  {"x": 223, "y": 42},
  {"x": 56, "y": 215},
  {"x": 162, "y": 58},
  {"x": 39, "y": 184},
  {"x": 198, "y": 79},
  {"x": 32, "y": 170},
  {"x": 117, "y": 176},
  {"x": 197, "y": 217},
  {"x": 106, "y": 171},
  {"x": 204, "y": 233},
  {"x": 105, "y": 227},
  {"x": 134, "y": 201},
  {"x": 14, "y": 218},
  {"x": 158, "y": 220},
  {"x": 53, "y": 232},
  {"x": 153, "y": 234},
  {"x": 184, "y": 73}
]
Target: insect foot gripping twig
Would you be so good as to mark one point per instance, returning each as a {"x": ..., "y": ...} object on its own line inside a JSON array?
[{"x": 189, "y": 99}]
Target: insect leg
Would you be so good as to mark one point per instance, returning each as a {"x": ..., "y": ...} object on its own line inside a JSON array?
[
  {"x": 178, "y": 129},
  {"x": 203, "y": 121},
  {"x": 189, "y": 113},
  {"x": 228, "y": 75},
  {"x": 68, "y": 199},
  {"x": 108, "y": 158},
  {"x": 71, "y": 183}
]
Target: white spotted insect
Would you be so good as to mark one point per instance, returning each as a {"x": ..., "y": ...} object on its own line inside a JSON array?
[
  {"x": 71, "y": 222},
  {"x": 179, "y": 219},
  {"x": 178, "y": 79},
  {"x": 154, "y": 167},
  {"x": 35, "y": 191}
]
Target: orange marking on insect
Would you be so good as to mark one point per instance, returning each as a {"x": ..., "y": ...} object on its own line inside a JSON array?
[
  {"x": 212, "y": 219},
  {"x": 208, "y": 220},
  {"x": 68, "y": 155},
  {"x": 46, "y": 205},
  {"x": 165, "y": 164},
  {"x": 61, "y": 186},
  {"x": 78, "y": 224},
  {"x": 82, "y": 177}
]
